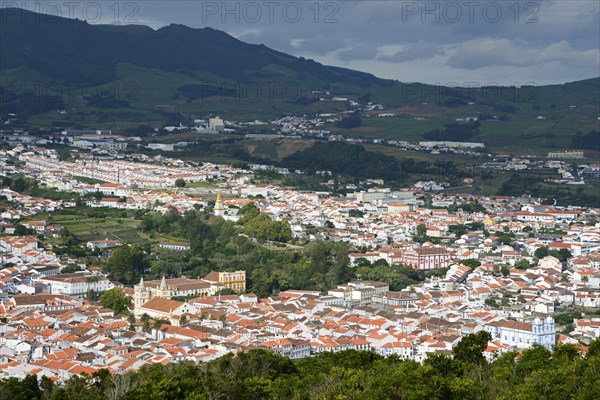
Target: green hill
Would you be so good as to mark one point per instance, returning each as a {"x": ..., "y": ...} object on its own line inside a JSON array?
[
  {"x": 112, "y": 76},
  {"x": 527, "y": 119},
  {"x": 119, "y": 77},
  {"x": 70, "y": 50}
]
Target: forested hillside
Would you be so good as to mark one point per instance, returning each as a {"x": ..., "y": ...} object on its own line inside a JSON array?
[{"x": 536, "y": 373}]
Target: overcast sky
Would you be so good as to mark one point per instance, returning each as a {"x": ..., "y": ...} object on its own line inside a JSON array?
[{"x": 444, "y": 42}]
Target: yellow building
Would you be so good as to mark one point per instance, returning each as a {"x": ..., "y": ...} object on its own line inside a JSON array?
[
  {"x": 235, "y": 281},
  {"x": 489, "y": 221}
]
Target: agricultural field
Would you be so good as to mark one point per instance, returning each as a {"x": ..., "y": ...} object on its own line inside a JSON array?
[
  {"x": 200, "y": 185},
  {"x": 525, "y": 120},
  {"x": 88, "y": 224}
]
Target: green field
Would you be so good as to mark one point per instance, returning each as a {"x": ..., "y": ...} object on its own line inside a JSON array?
[
  {"x": 200, "y": 185},
  {"x": 86, "y": 224},
  {"x": 540, "y": 119},
  {"x": 89, "y": 181},
  {"x": 87, "y": 227}
]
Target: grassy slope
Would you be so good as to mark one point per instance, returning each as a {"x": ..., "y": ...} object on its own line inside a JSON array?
[
  {"x": 522, "y": 133},
  {"x": 151, "y": 91}
]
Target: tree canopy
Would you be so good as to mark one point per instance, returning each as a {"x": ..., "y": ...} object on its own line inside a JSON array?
[
  {"x": 126, "y": 264},
  {"x": 537, "y": 373},
  {"x": 116, "y": 300}
]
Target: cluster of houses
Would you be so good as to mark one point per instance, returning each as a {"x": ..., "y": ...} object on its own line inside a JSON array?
[
  {"x": 50, "y": 329},
  {"x": 58, "y": 335},
  {"x": 26, "y": 206},
  {"x": 133, "y": 174}
]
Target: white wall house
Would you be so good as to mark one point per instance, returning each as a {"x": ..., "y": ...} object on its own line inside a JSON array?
[
  {"x": 524, "y": 334},
  {"x": 77, "y": 284}
]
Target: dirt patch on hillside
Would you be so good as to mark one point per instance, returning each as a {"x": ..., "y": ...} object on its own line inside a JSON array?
[
  {"x": 251, "y": 148},
  {"x": 287, "y": 147}
]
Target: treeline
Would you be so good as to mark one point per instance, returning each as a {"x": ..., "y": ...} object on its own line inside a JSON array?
[
  {"x": 345, "y": 159},
  {"x": 397, "y": 276},
  {"x": 535, "y": 373},
  {"x": 520, "y": 184},
  {"x": 126, "y": 264},
  {"x": 262, "y": 227},
  {"x": 588, "y": 141},
  {"x": 14, "y": 100},
  {"x": 351, "y": 160},
  {"x": 30, "y": 187},
  {"x": 194, "y": 91},
  {"x": 105, "y": 99},
  {"x": 349, "y": 122},
  {"x": 454, "y": 132}
]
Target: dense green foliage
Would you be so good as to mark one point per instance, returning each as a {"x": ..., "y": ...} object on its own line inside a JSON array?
[
  {"x": 471, "y": 262},
  {"x": 262, "y": 227},
  {"x": 349, "y": 122},
  {"x": 461, "y": 229},
  {"x": 523, "y": 264},
  {"x": 345, "y": 159},
  {"x": 398, "y": 276},
  {"x": 472, "y": 206},
  {"x": 126, "y": 264},
  {"x": 562, "y": 254},
  {"x": 217, "y": 244},
  {"x": 588, "y": 141},
  {"x": 454, "y": 132},
  {"x": 13, "y": 101},
  {"x": 115, "y": 299},
  {"x": 520, "y": 184},
  {"x": 29, "y": 186},
  {"x": 536, "y": 373}
]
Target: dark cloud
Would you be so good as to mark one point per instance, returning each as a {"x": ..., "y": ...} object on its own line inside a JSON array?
[{"x": 556, "y": 40}]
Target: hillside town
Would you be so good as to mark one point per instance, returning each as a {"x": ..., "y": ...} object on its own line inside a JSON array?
[{"x": 510, "y": 266}]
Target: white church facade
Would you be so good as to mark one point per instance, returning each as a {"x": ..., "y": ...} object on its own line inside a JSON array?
[{"x": 524, "y": 334}]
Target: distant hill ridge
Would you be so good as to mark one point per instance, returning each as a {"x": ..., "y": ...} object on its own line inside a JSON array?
[
  {"x": 140, "y": 77},
  {"x": 73, "y": 50}
]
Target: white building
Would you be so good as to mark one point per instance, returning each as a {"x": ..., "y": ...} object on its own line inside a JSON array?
[
  {"x": 216, "y": 124},
  {"x": 524, "y": 334},
  {"x": 179, "y": 246},
  {"x": 359, "y": 292},
  {"x": 103, "y": 244},
  {"x": 77, "y": 284}
]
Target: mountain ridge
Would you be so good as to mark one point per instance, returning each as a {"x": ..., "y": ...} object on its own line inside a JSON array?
[
  {"x": 95, "y": 50},
  {"x": 140, "y": 76}
]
